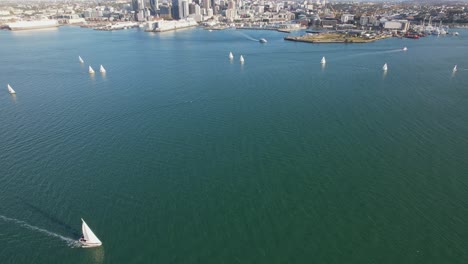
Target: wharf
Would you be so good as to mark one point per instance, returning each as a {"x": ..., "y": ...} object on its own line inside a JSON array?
[{"x": 334, "y": 38}]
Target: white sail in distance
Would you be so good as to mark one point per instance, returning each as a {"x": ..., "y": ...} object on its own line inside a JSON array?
[
  {"x": 10, "y": 90},
  {"x": 90, "y": 239},
  {"x": 385, "y": 67}
]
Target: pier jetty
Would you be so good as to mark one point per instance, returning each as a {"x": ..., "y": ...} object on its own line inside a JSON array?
[{"x": 337, "y": 37}]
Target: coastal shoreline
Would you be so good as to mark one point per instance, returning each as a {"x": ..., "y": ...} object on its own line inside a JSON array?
[{"x": 329, "y": 39}]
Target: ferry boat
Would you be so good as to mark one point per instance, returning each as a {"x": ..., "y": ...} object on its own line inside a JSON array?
[{"x": 33, "y": 24}]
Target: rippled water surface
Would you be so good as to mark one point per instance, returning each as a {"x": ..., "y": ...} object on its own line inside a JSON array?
[{"x": 178, "y": 155}]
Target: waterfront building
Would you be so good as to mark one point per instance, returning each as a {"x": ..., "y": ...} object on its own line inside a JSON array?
[
  {"x": 364, "y": 20},
  {"x": 163, "y": 25},
  {"x": 345, "y": 18},
  {"x": 175, "y": 9},
  {"x": 154, "y": 7},
  {"x": 138, "y": 7},
  {"x": 197, "y": 10},
  {"x": 213, "y": 6},
  {"x": 185, "y": 9},
  {"x": 191, "y": 8},
  {"x": 231, "y": 4},
  {"x": 402, "y": 25},
  {"x": 165, "y": 11},
  {"x": 231, "y": 14},
  {"x": 206, "y": 4}
]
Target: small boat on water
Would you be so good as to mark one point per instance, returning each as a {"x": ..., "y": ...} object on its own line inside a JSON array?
[
  {"x": 241, "y": 59},
  {"x": 455, "y": 68},
  {"x": 231, "y": 56},
  {"x": 262, "y": 40},
  {"x": 385, "y": 67},
  {"x": 91, "y": 71},
  {"x": 102, "y": 70},
  {"x": 405, "y": 49},
  {"x": 80, "y": 59},
  {"x": 10, "y": 90},
  {"x": 323, "y": 61},
  {"x": 88, "y": 239}
]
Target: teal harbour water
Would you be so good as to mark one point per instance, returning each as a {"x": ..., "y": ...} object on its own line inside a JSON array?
[{"x": 178, "y": 155}]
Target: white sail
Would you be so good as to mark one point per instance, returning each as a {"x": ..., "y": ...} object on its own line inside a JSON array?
[
  {"x": 102, "y": 70},
  {"x": 80, "y": 59},
  {"x": 385, "y": 67},
  {"x": 241, "y": 59},
  {"x": 405, "y": 49},
  {"x": 91, "y": 70},
  {"x": 455, "y": 68},
  {"x": 231, "y": 56},
  {"x": 323, "y": 61},
  {"x": 89, "y": 239},
  {"x": 10, "y": 90}
]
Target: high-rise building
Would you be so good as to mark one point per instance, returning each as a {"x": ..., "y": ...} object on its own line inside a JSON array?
[
  {"x": 185, "y": 9},
  {"x": 175, "y": 9},
  {"x": 213, "y": 6},
  {"x": 231, "y": 4},
  {"x": 135, "y": 6},
  {"x": 207, "y": 4},
  {"x": 139, "y": 7},
  {"x": 197, "y": 10},
  {"x": 178, "y": 9},
  {"x": 154, "y": 6},
  {"x": 191, "y": 8}
]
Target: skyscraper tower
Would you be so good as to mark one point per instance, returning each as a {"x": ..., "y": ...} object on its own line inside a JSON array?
[
  {"x": 135, "y": 5},
  {"x": 154, "y": 6},
  {"x": 178, "y": 9},
  {"x": 139, "y": 7},
  {"x": 213, "y": 6},
  {"x": 206, "y": 4}
]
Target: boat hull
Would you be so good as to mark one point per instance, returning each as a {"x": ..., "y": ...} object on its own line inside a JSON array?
[
  {"x": 31, "y": 28},
  {"x": 89, "y": 245},
  {"x": 28, "y": 25}
]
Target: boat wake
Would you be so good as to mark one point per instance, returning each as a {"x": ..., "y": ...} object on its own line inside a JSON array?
[
  {"x": 70, "y": 242},
  {"x": 248, "y": 37}
]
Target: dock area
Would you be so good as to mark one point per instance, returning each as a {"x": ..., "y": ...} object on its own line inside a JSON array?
[{"x": 335, "y": 38}]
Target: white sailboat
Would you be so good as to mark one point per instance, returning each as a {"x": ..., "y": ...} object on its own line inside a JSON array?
[
  {"x": 80, "y": 59},
  {"x": 241, "y": 59},
  {"x": 88, "y": 239},
  {"x": 10, "y": 90},
  {"x": 102, "y": 70},
  {"x": 385, "y": 67},
  {"x": 405, "y": 49},
  {"x": 91, "y": 71},
  {"x": 455, "y": 68},
  {"x": 231, "y": 56},
  {"x": 323, "y": 61}
]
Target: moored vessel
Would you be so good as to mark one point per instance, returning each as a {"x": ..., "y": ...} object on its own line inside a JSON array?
[{"x": 33, "y": 24}]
